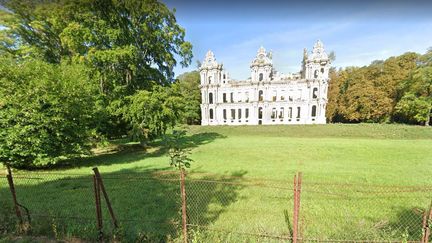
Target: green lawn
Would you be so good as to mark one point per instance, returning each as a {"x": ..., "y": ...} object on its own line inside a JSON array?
[{"x": 364, "y": 181}]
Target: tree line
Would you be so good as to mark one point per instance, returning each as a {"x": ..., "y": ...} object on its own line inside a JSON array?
[
  {"x": 75, "y": 73},
  {"x": 397, "y": 89}
]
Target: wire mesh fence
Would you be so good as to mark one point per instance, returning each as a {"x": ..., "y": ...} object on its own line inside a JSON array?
[{"x": 219, "y": 208}]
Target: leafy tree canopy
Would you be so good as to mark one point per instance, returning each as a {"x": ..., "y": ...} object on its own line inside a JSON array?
[
  {"x": 188, "y": 85},
  {"x": 128, "y": 44},
  {"x": 46, "y": 112}
]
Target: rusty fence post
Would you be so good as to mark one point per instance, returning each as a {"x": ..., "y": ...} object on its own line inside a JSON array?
[
  {"x": 98, "y": 208},
  {"x": 295, "y": 223},
  {"x": 14, "y": 198},
  {"x": 183, "y": 197},
  {"x": 427, "y": 220},
  {"x": 105, "y": 194},
  {"x": 299, "y": 189},
  {"x": 296, "y": 209}
]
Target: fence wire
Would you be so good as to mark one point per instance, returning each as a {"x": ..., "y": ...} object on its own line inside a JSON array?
[{"x": 220, "y": 208}]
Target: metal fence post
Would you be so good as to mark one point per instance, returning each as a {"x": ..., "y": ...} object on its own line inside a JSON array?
[
  {"x": 427, "y": 219},
  {"x": 105, "y": 194},
  {"x": 299, "y": 188},
  {"x": 295, "y": 222},
  {"x": 15, "y": 201},
  {"x": 296, "y": 210},
  {"x": 183, "y": 196},
  {"x": 98, "y": 208}
]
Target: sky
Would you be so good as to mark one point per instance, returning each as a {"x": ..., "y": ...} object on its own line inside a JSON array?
[{"x": 359, "y": 32}]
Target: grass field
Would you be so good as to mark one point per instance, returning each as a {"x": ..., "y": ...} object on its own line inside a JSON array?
[{"x": 256, "y": 164}]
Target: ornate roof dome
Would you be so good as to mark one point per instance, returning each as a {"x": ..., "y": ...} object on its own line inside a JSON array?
[
  {"x": 318, "y": 52},
  {"x": 262, "y": 58},
  {"x": 210, "y": 61}
]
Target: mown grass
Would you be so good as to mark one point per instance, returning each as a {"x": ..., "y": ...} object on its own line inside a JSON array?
[{"x": 256, "y": 166}]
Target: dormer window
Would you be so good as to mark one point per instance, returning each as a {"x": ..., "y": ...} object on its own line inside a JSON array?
[{"x": 261, "y": 77}]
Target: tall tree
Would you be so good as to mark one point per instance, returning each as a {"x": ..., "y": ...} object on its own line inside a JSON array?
[
  {"x": 188, "y": 85},
  {"x": 129, "y": 45},
  {"x": 46, "y": 112}
]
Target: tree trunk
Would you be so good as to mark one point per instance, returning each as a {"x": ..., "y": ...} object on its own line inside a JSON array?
[{"x": 428, "y": 118}]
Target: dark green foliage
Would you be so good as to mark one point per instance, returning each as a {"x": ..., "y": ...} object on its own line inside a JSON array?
[
  {"x": 46, "y": 112},
  {"x": 188, "y": 86},
  {"x": 413, "y": 109},
  {"x": 128, "y": 45},
  {"x": 151, "y": 113}
]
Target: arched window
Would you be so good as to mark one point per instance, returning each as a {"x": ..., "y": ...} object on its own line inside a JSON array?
[
  {"x": 260, "y": 95},
  {"x": 315, "y": 93},
  {"x": 281, "y": 113},
  {"x": 274, "y": 113},
  {"x": 209, "y": 79},
  {"x": 211, "y": 113},
  {"x": 322, "y": 70},
  {"x": 261, "y": 77},
  {"x": 316, "y": 74},
  {"x": 224, "y": 76},
  {"x": 211, "y": 98},
  {"x": 314, "y": 111},
  {"x": 260, "y": 113}
]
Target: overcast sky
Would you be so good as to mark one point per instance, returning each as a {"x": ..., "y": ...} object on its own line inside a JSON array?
[{"x": 357, "y": 31}]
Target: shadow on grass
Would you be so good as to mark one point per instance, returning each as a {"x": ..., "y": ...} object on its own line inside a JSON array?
[
  {"x": 146, "y": 202},
  {"x": 127, "y": 153},
  {"x": 408, "y": 223}
]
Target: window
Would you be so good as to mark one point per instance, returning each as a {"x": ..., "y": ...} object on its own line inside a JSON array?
[
  {"x": 322, "y": 70},
  {"x": 298, "y": 112},
  {"x": 290, "y": 112},
  {"x": 274, "y": 95},
  {"x": 210, "y": 79},
  {"x": 281, "y": 113},
  {"x": 316, "y": 74},
  {"x": 211, "y": 98},
  {"x": 232, "y": 113},
  {"x": 211, "y": 113},
  {"x": 314, "y": 111},
  {"x": 260, "y": 95},
  {"x": 247, "y": 113},
  {"x": 224, "y": 97},
  {"x": 246, "y": 96},
  {"x": 273, "y": 114},
  {"x": 224, "y": 114},
  {"x": 282, "y": 95},
  {"x": 261, "y": 77},
  {"x": 239, "y": 97},
  {"x": 224, "y": 76},
  {"x": 260, "y": 113},
  {"x": 315, "y": 93},
  {"x": 232, "y": 97},
  {"x": 239, "y": 114}
]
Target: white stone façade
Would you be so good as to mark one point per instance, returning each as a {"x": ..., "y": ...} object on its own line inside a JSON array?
[{"x": 267, "y": 97}]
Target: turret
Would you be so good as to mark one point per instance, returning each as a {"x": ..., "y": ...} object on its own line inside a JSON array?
[
  {"x": 318, "y": 63},
  {"x": 210, "y": 70},
  {"x": 262, "y": 66}
]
